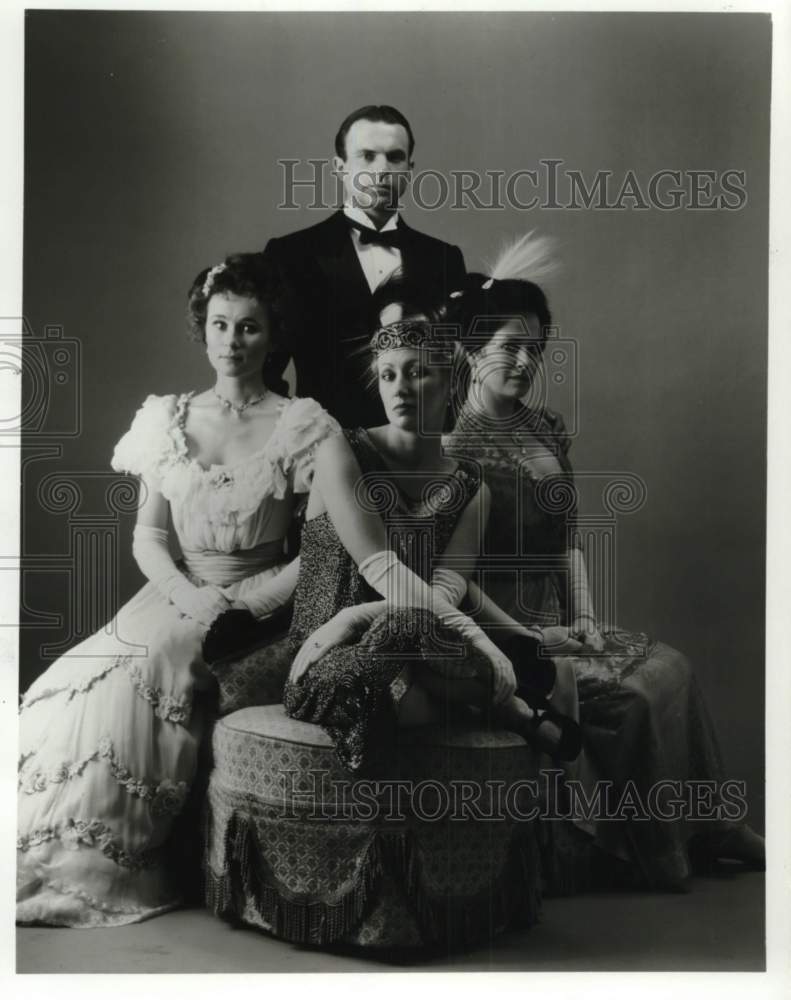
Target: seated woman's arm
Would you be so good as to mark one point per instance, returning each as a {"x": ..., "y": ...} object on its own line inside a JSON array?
[
  {"x": 463, "y": 549},
  {"x": 362, "y": 533},
  {"x": 271, "y": 594},
  {"x": 555, "y": 638},
  {"x": 581, "y": 612},
  {"x": 150, "y": 549}
]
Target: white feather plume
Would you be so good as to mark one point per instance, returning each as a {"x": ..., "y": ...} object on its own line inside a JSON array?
[{"x": 527, "y": 258}]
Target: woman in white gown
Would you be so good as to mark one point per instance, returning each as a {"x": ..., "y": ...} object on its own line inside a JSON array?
[{"x": 109, "y": 734}]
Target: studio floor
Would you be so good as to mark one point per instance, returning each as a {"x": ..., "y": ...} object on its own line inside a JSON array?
[{"x": 718, "y": 926}]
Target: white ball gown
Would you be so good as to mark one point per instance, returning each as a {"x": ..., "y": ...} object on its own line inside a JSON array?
[{"x": 109, "y": 734}]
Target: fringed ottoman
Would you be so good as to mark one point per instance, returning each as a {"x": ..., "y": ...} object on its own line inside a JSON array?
[{"x": 438, "y": 851}]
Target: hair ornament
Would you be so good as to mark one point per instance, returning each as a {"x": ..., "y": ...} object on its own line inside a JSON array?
[
  {"x": 404, "y": 333},
  {"x": 526, "y": 258},
  {"x": 213, "y": 272}
]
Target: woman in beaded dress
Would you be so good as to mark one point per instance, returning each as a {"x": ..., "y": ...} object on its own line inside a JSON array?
[
  {"x": 643, "y": 717},
  {"x": 376, "y": 639},
  {"x": 109, "y": 734}
]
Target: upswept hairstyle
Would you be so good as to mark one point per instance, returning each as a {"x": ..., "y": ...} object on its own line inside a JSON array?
[
  {"x": 479, "y": 311},
  {"x": 372, "y": 113},
  {"x": 244, "y": 274},
  {"x": 418, "y": 296}
]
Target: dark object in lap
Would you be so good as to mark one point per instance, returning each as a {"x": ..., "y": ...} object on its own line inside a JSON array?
[{"x": 237, "y": 632}]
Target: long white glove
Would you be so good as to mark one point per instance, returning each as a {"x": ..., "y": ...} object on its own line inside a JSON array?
[
  {"x": 581, "y": 600},
  {"x": 449, "y": 584},
  {"x": 271, "y": 594},
  {"x": 150, "y": 549},
  {"x": 348, "y": 624},
  {"x": 385, "y": 572}
]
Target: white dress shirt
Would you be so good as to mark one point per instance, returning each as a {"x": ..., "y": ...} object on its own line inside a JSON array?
[{"x": 378, "y": 262}]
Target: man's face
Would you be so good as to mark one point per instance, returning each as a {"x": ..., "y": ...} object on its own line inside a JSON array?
[{"x": 376, "y": 168}]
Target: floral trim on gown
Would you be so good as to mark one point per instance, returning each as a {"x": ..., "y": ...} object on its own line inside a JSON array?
[
  {"x": 110, "y": 732},
  {"x": 642, "y": 714}
]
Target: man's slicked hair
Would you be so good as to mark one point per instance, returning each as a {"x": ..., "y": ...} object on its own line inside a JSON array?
[{"x": 372, "y": 113}]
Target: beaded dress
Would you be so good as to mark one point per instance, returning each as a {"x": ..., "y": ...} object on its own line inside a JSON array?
[
  {"x": 643, "y": 717},
  {"x": 353, "y": 691}
]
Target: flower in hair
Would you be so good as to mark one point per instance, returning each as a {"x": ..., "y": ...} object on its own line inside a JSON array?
[{"x": 213, "y": 272}]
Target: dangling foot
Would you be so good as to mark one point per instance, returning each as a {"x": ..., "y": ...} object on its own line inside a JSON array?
[
  {"x": 546, "y": 729},
  {"x": 553, "y": 734},
  {"x": 549, "y": 732}
]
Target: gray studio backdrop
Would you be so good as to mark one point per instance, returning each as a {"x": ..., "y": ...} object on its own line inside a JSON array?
[{"x": 152, "y": 147}]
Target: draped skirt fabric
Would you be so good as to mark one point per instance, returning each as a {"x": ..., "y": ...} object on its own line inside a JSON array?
[
  {"x": 648, "y": 741},
  {"x": 109, "y": 744}
]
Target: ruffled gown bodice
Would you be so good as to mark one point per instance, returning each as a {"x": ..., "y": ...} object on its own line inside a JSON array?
[
  {"x": 109, "y": 733},
  {"x": 224, "y": 508}
]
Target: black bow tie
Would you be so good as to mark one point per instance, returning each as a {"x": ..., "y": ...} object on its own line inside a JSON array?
[{"x": 388, "y": 238}]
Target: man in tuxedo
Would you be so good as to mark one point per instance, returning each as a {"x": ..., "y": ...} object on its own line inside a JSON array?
[{"x": 331, "y": 269}]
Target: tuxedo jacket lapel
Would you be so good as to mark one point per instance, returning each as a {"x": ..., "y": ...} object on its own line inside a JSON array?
[
  {"x": 341, "y": 267},
  {"x": 410, "y": 249}
]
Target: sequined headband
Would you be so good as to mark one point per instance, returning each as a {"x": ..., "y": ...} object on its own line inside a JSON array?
[{"x": 404, "y": 333}]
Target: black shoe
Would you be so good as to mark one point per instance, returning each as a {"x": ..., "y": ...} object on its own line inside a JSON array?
[
  {"x": 535, "y": 674},
  {"x": 567, "y": 748}
]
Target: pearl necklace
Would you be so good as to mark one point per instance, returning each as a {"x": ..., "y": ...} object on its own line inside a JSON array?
[{"x": 237, "y": 409}]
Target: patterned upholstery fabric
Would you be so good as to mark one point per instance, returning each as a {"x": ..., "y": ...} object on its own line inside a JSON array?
[{"x": 299, "y": 848}]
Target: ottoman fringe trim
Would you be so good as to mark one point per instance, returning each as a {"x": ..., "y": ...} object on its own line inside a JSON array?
[
  {"x": 447, "y": 920},
  {"x": 302, "y": 920},
  {"x": 572, "y": 862},
  {"x": 455, "y": 922}
]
